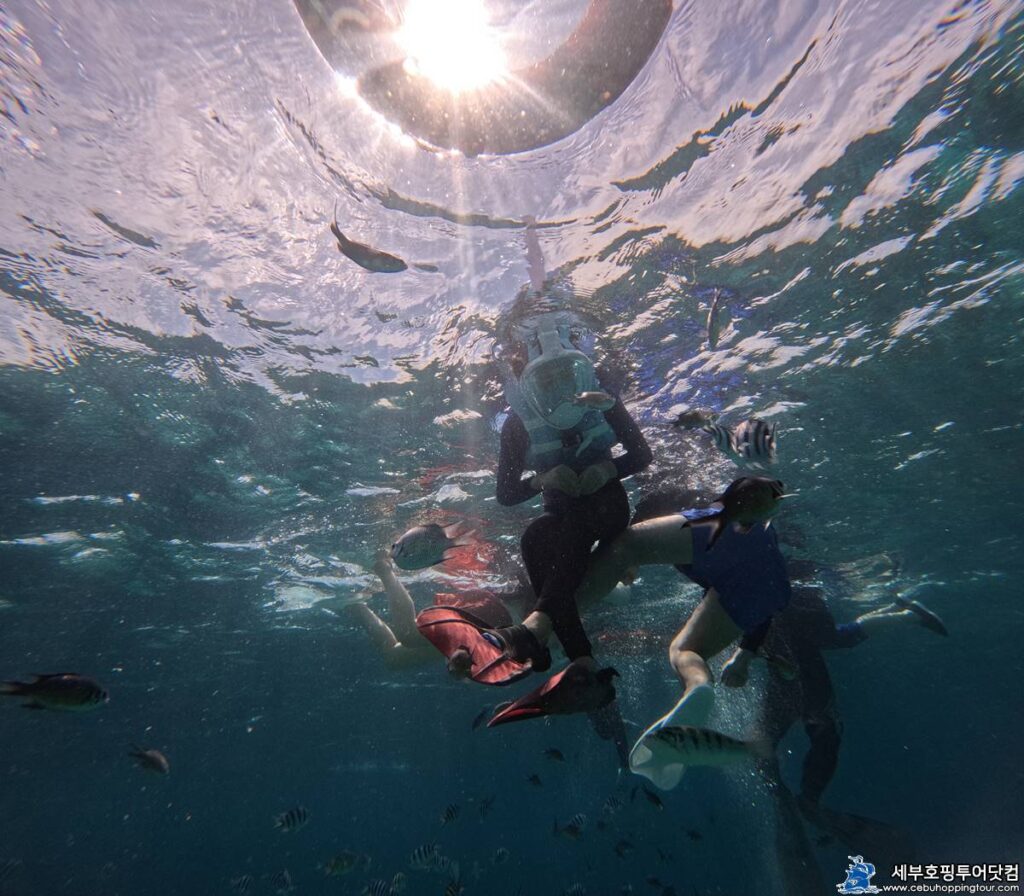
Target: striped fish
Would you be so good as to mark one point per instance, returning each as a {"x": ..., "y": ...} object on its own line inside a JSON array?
[
  {"x": 500, "y": 856},
  {"x": 282, "y": 882},
  {"x": 611, "y": 805},
  {"x": 398, "y": 882},
  {"x": 424, "y": 857},
  {"x": 701, "y": 746},
  {"x": 754, "y": 441},
  {"x": 454, "y": 888},
  {"x": 751, "y": 442},
  {"x": 292, "y": 820},
  {"x": 574, "y": 829},
  {"x": 242, "y": 884},
  {"x": 451, "y": 812},
  {"x": 378, "y": 888},
  {"x": 576, "y": 890}
]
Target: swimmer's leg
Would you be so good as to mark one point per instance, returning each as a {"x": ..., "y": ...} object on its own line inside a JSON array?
[
  {"x": 707, "y": 632},
  {"x": 665, "y": 540},
  {"x": 401, "y": 610},
  {"x": 381, "y": 635}
]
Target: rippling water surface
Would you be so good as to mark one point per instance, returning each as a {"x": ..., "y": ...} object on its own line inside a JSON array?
[{"x": 210, "y": 420}]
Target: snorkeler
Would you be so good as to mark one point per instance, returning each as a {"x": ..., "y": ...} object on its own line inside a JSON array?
[
  {"x": 801, "y": 632},
  {"x": 729, "y": 549},
  {"x": 400, "y": 641},
  {"x": 562, "y": 425}
]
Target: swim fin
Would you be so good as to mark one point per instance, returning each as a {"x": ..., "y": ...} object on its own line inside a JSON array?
[
  {"x": 451, "y": 629},
  {"x": 652, "y": 758},
  {"x": 925, "y": 617},
  {"x": 577, "y": 688},
  {"x": 857, "y": 832}
]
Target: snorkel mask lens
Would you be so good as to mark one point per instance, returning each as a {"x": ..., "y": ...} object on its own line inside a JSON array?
[{"x": 556, "y": 375}]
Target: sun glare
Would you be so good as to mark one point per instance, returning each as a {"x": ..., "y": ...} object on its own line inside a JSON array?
[{"x": 451, "y": 43}]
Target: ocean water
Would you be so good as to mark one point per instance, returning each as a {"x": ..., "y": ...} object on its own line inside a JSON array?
[{"x": 211, "y": 420}]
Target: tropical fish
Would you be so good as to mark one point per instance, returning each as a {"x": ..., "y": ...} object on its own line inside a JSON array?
[
  {"x": 344, "y": 862},
  {"x": 701, "y": 746},
  {"x": 747, "y": 501},
  {"x": 486, "y": 804},
  {"x": 242, "y": 884},
  {"x": 366, "y": 256},
  {"x": 694, "y": 419},
  {"x": 424, "y": 546},
  {"x": 535, "y": 781},
  {"x": 65, "y": 691},
  {"x": 450, "y": 813},
  {"x": 714, "y": 323},
  {"x": 611, "y": 805},
  {"x": 292, "y": 820},
  {"x": 500, "y": 856},
  {"x": 598, "y": 401},
  {"x": 623, "y": 848},
  {"x": 424, "y": 857},
  {"x": 151, "y": 760},
  {"x": 752, "y": 441},
  {"x": 576, "y": 890},
  {"x": 554, "y": 754},
  {"x": 398, "y": 882},
  {"x": 282, "y": 882},
  {"x": 573, "y": 829},
  {"x": 694, "y": 834},
  {"x": 454, "y": 888},
  {"x": 378, "y": 888}
]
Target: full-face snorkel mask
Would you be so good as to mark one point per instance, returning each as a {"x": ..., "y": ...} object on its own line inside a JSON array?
[{"x": 557, "y": 373}]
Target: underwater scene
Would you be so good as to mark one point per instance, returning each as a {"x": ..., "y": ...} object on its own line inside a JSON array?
[{"x": 511, "y": 447}]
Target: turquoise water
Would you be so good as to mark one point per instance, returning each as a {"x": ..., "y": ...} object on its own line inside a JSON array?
[{"x": 210, "y": 420}]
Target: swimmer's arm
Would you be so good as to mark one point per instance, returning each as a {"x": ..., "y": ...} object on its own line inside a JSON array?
[
  {"x": 638, "y": 455},
  {"x": 513, "y": 487}
]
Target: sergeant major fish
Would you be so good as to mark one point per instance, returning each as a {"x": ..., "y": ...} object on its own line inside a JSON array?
[
  {"x": 751, "y": 442},
  {"x": 292, "y": 820},
  {"x": 701, "y": 746},
  {"x": 450, "y": 813},
  {"x": 427, "y": 545},
  {"x": 64, "y": 691}
]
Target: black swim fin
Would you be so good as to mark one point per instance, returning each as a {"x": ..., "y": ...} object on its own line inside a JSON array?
[{"x": 867, "y": 836}]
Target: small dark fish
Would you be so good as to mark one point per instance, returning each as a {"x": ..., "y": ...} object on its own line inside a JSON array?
[
  {"x": 747, "y": 501},
  {"x": 501, "y": 856},
  {"x": 454, "y": 888},
  {"x": 597, "y": 401},
  {"x": 398, "y": 882},
  {"x": 482, "y": 716},
  {"x": 573, "y": 829},
  {"x": 535, "y": 781},
  {"x": 486, "y": 804},
  {"x": 611, "y": 805},
  {"x": 576, "y": 890},
  {"x": 424, "y": 546},
  {"x": 623, "y": 848},
  {"x": 652, "y": 798},
  {"x": 292, "y": 820},
  {"x": 378, "y": 888},
  {"x": 282, "y": 882},
  {"x": 554, "y": 754},
  {"x": 366, "y": 256},
  {"x": 424, "y": 857},
  {"x": 344, "y": 862},
  {"x": 151, "y": 760},
  {"x": 451, "y": 812},
  {"x": 694, "y": 834},
  {"x": 694, "y": 419},
  {"x": 65, "y": 691},
  {"x": 242, "y": 884},
  {"x": 714, "y": 325}
]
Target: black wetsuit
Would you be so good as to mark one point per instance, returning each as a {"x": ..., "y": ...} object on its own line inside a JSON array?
[
  {"x": 556, "y": 546},
  {"x": 801, "y": 632}
]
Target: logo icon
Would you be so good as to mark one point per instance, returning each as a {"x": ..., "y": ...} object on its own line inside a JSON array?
[{"x": 858, "y": 877}]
